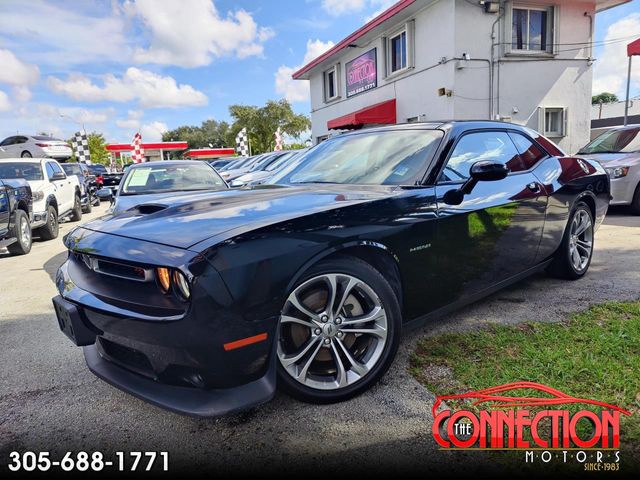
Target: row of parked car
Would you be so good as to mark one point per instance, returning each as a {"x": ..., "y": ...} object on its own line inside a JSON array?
[{"x": 37, "y": 193}]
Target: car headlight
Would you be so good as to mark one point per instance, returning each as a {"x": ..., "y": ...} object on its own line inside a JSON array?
[
  {"x": 37, "y": 195},
  {"x": 181, "y": 283},
  {"x": 618, "y": 172},
  {"x": 167, "y": 278}
]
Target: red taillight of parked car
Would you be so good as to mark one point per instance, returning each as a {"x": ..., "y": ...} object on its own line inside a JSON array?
[{"x": 42, "y": 145}]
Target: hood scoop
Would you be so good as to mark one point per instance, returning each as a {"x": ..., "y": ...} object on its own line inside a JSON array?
[{"x": 148, "y": 208}]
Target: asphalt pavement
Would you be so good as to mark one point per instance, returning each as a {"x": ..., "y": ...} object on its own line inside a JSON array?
[{"x": 49, "y": 401}]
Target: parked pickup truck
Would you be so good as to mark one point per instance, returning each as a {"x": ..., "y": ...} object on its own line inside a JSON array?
[
  {"x": 16, "y": 211},
  {"x": 55, "y": 195}
]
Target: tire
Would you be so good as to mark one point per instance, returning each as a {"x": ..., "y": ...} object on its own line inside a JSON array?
[
  {"x": 26, "y": 154},
  {"x": 22, "y": 233},
  {"x": 88, "y": 207},
  {"x": 565, "y": 263},
  {"x": 319, "y": 377},
  {"x": 76, "y": 213},
  {"x": 635, "y": 204},
  {"x": 50, "y": 230}
]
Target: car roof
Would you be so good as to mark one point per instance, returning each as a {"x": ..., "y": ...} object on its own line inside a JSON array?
[
  {"x": 439, "y": 124},
  {"x": 170, "y": 163},
  {"x": 26, "y": 160}
]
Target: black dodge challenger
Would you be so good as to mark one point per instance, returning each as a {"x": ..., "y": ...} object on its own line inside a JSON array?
[{"x": 203, "y": 303}]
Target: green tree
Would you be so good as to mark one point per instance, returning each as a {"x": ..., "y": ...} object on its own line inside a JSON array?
[
  {"x": 210, "y": 132},
  {"x": 604, "y": 97},
  {"x": 97, "y": 149},
  {"x": 262, "y": 122}
]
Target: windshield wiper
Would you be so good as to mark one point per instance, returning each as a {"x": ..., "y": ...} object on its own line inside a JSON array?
[{"x": 314, "y": 181}]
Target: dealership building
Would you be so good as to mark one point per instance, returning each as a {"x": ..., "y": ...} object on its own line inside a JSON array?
[{"x": 529, "y": 62}]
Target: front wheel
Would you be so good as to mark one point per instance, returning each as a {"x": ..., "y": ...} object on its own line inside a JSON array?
[
  {"x": 50, "y": 230},
  {"x": 573, "y": 258},
  {"x": 76, "y": 213},
  {"x": 22, "y": 234},
  {"x": 339, "y": 331},
  {"x": 26, "y": 154}
]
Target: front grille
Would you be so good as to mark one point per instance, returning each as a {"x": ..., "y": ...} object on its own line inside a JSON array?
[
  {"x": 116, "y": 269},
  {"x": 128, "y": 357}
]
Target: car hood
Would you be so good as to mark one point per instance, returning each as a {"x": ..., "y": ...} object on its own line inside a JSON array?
[
  {"x": 614, "y": 159},
  {"x": 252, "y": 176},
  {"x": 38, "y": 185},
  {"x": 127, "y": 202},
  {"x": 185, "y": 220}
]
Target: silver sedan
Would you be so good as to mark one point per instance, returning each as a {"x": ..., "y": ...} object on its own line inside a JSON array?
[{"x": 618, "y": 150}]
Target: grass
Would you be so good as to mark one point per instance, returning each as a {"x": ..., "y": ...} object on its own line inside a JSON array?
[{"x": 594, "y": 354}]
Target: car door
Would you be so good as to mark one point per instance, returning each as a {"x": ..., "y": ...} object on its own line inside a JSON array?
[
  {"x": 64, "y": 187},
  {"x": 19, "y": 146},
  {"x": 4, "y": 210},
  {"x": 494, "y": 233},
  {"x": 6, "y": 147}
]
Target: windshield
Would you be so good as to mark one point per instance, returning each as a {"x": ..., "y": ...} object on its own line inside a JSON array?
[
  {"x": 615, "y": 141},
  {"x": 99, "y": 169},
  {"x": 393, "y": 157},
  {"x": 72, "y": 168},
  {"x": 171, "y": 178},
  {"x": 26, "y": 170},
  {"x": 273, "y": 166},
  {"x": 264, "y": 162}
]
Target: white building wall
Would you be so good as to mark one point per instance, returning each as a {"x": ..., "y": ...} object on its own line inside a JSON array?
[{"x": 450, "y": 28}]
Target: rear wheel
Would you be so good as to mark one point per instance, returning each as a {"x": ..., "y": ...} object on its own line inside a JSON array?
[
  {"x": 26, "y": 154},
  {"x": 339, "y": 331},
  {"x": 50, "y": 230},
  {"x": 76, "y": 213},
  {"x": 573, "y": 258},
  {"x": 22, "y": 234}
]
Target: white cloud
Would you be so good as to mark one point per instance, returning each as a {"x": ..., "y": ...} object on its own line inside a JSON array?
[
  {"x": 132, "y": 122},
  {"x": 381, "y": 6},
  {"x": 341, "y": 7},
  {"x": 298, "y": 90},
  {"x": 148, "y": 88},
  {"x": 59, "y": 35},
  {"x": 152, "y": 132},
  {"x": 5, "y": 105},
  {"x": 190, "y": 32},
  {"x": 16, "y": 72},
  {"x": 610, "y": 71}
]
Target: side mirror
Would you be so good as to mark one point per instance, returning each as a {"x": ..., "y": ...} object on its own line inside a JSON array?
[
  {"x": 486, "y": 171},
  {"x": 58, "y": 176},
  {"x": 482, "y": 171},
  {"x": 105, "y": 194}
]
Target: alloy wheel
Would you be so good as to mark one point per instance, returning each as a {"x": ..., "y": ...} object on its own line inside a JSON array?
[
  {"x": 25, "y": 231},
  {"x": 581, "y": 240},
  {"x": 333, "y": 330}
]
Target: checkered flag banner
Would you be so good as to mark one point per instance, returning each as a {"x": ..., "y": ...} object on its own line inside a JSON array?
[
  {"x": 278, "y": 135},
  {"x": 137, "y": 154},
  {"x": 242, "y": 143},
  {"x": 80, "y": 146}
]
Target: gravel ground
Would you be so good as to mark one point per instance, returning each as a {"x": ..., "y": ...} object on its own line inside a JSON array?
[{"x": 49, "y": 401}]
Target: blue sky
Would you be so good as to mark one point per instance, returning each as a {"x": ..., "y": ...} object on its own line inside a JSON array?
[{"x": 149, "y": 65}]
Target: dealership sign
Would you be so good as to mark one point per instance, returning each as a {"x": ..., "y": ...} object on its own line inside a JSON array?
[{"x": 362, "y": 73}]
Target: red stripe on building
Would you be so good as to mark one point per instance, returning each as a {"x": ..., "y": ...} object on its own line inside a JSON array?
[{"x": 125, "y": 147}]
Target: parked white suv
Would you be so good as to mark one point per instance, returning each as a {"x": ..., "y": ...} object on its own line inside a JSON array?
[{"x": 55, "y": 195}]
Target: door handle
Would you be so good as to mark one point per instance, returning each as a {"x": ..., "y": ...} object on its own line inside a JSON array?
[{"x": 534, "y": 187}]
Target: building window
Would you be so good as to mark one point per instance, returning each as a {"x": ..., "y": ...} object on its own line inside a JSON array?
[
  {"x": 552, "y": 121},
  {"x": 399, "y": 48},
  {"x": 331, "y": 86},
  {"x": 532, "y": 29}
]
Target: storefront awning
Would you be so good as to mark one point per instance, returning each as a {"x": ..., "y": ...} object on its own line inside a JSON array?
[{"x": 380, "y": 113}]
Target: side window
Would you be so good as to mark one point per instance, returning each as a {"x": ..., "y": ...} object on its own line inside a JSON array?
[
  {"x": 7, "y": 141},
  {"x": 57, "y": 168},
  {"x": 50, "y": 170},
  {"x": 19, "y": 140},
  {"x": 478, "y": 146},
  {"x": 530, "y": 153}
]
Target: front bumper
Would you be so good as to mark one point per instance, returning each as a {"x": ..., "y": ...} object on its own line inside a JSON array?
[
  {"x": 623, "y": 189},
  {"x": 175, "y": 360},
  {"x": 39, "y": 219}
]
